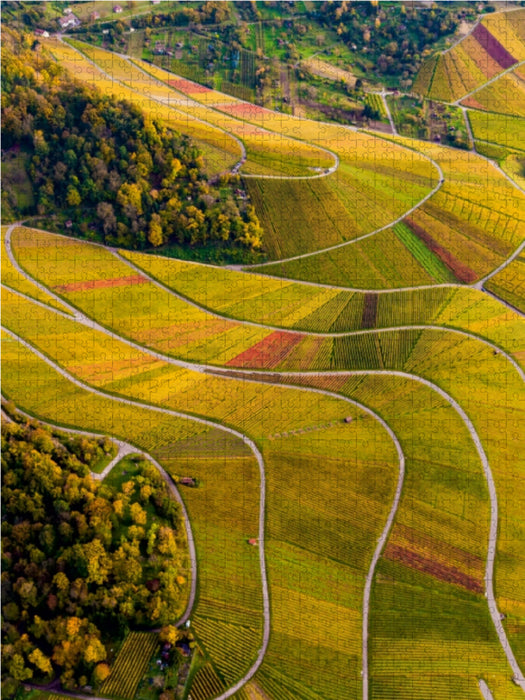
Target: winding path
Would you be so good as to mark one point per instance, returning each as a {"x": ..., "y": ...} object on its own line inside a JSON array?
[
  {"x": 244, "y": 156},
  {"x": 89, "y": 322},
  {"x": 209, "y": 423},
  {"x": 491, "y": 551}
]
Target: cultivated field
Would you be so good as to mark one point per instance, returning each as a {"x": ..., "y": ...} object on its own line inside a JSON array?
[
  {"x": 353, "y": 418},
  {"x": 496, "y": 43}
]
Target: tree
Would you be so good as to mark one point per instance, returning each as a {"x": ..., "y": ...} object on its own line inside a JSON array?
[
  {"x": 170, "y": 635},
  {"x": 155, "y": 231},
  {"x": 41, "y": 661},
  {"x": 100, "y": 673},
  {"x": 73, "y": 197}
]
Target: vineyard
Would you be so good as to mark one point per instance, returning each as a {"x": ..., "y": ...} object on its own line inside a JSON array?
[
  {"x": 496, "y": 44},
  {"x": 505, "y": 96},
  {"x": 501, "y": 129},
  {"x": 130, "y": 664},
  {"x": 344, "y": 424},
  {"x": 509, "y": 284}
]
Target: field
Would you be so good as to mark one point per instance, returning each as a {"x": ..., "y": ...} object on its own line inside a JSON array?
[
  {"x": 351, "y": 412},
  {"x": 265, "y": 154},
  {"x": 298, "y": 442},
  {"x": 130, "y": 664},
  {"x": 361, "y": 190},
  {"x": 220, "y": 150},
  {"x": 496, "y": 44},
  {"x": 505, "y": 96},
  {"x": 509, "y": 284},
  {"x": 501, "y": 129}
]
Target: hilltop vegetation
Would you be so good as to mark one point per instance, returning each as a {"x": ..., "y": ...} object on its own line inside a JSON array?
[
  {"x": 82, "y": 561},
  {"x": 119, "y": 176}
]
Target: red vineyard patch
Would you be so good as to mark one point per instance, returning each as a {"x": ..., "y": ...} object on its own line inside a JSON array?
[
  {"x": 187, "y": 86},
  {"x": 98, "y": 284},
  {"x": 462, "y": 272},
  {"x": 244, "y": 110},
  {"x": 492, "y": 46},
  {"x": 268, "y": 352},
  {"x": 449, "y": 574}
]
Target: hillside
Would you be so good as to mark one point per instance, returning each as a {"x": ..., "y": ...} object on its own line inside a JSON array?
[{"x": 330, "y": 425}]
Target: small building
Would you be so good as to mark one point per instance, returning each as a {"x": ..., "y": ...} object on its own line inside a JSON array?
[
  {"x": 253, "y": 541},
  {"x": 155, "y": 2},
  {"x": 41, "y": 32},
  {"x": 67, "y": 11},
  {"x": 94, "y": 15},
  {"x": 117, "y": 9},
  {"x": 348, "y": 419},
  {"x": 187, "y": 481},
  {"x": 68, "y": 223},
  {"x": 68, "y": 21}
]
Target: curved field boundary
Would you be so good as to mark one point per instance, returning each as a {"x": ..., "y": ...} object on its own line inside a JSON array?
[
  {"x": 316, "y": 176},
  {"x": 481, "y": 282},
  {"x": 366, "y": 331},
  {"x": 518, "y": 677},
  {"x": 380, "y": 543},
  {"x": 124, "y": 449},
  {"x": 209, "y": 423},
  {"x": 489, "y": 571},
  {"x": 356, "y": 240},
  {"x": 91, "y": 323},
  {"x": 179, "y": 111},
  {"x": 240, "y": 163}
]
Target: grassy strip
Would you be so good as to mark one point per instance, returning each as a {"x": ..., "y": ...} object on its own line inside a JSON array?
[{"x": 423, "y": 255}]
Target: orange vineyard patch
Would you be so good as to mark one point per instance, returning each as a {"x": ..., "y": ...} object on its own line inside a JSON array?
[
  {"x": 97, "y": 284},
  {"x": 269, "y": 352}
]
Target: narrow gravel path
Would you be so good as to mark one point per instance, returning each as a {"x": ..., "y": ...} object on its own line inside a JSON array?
[
  {"x": 383, "y": 95},
  {"x": 367, "y": 331},
  {"x": 518, "y": 676},
  {"x": 489, "y": 82},
  {"x": 380, "y": 542},
  {"x": 484, "y": 689},
  {"x": 87, "y": 321},
  {"x": 360, "y": 238},
  {"x": 167, "y": 102},
  {"x": 244, "y": 155},
  {"x": 212, "y": 424},
  {"x": 489, "y": 570},
  {"x": 481, "y": 282}
]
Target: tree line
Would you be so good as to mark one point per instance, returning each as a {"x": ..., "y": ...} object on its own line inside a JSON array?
[{"x": 116, "y": 174}]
